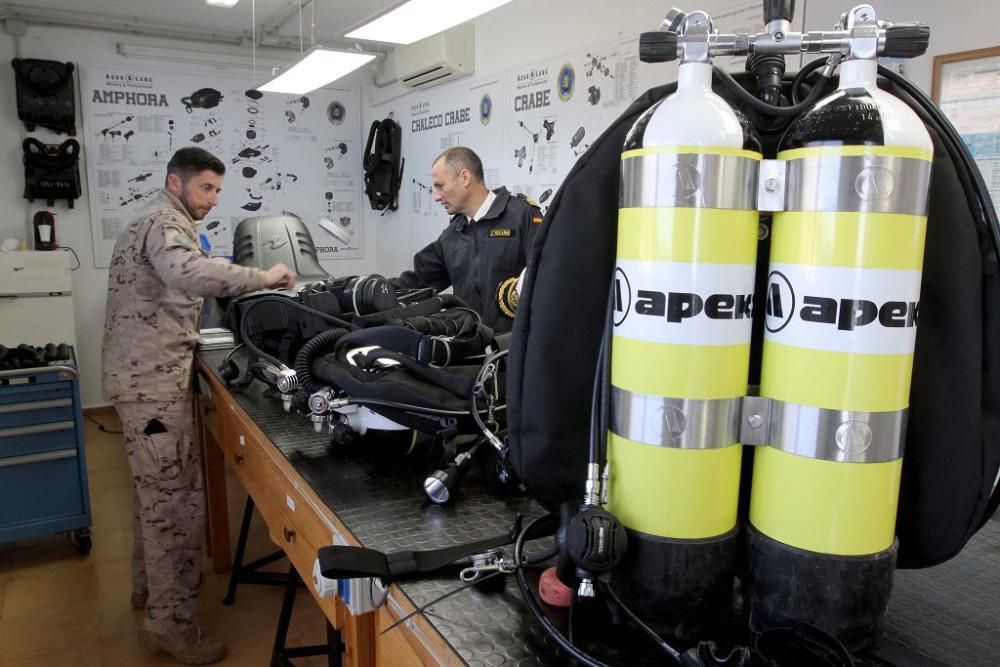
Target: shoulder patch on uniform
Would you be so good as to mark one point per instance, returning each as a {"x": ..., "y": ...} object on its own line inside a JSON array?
[
  {"x": 536, "y": 219},
  {"x": 501, "y": 233},
  {"x": 180, "y": 238},
  {"x": 528, "y": 200}
]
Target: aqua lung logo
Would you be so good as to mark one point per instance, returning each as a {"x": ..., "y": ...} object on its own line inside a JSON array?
[
  {"x": 846, "y": 314},
  {"x": 875, "y": 182},
  {"x": 566, "y": 82},
  {"x": 485, "y": 109},
  {"x": 336, "y": 113},
  {"x": 677, "y": 307}
]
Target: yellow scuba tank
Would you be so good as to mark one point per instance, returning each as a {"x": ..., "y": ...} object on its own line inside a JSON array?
[
  {"x": 842, "y": 305},
  {"x": 680, "y": 347}
]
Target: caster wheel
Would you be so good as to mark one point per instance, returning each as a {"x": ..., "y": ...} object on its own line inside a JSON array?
[{"x": 80, "y": 539}]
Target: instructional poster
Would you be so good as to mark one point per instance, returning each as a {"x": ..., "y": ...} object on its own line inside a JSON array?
[
  {"x": 283, "y": 153},
  {"x": 970, "y": 96},
  {"x": 466, "y": 114},
  {"x": 557, "y": 108}
]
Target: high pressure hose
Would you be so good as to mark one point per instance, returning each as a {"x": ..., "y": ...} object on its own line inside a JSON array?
[{"x": 763, "y": 107}]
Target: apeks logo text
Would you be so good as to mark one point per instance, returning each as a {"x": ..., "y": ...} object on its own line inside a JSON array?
[
  {"x": 683, "y": 303},
  {"x": 843, "y": 309},
  {"x": 845, "y": 314}
]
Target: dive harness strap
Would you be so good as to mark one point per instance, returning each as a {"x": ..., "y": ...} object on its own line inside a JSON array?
[
  {"x": 345, "y": 562},
  {"x": 427, "y": 350}
]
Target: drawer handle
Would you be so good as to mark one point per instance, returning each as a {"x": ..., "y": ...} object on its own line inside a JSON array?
[
  {"x": 209, "y": 409},
  {"x": 43, "y": 457},
  {"x": 35, "y": 429},
  {"x": 37, "y": 405},
  {"x": 289, "y": 534},
  {"x": 239, "y": 459}
]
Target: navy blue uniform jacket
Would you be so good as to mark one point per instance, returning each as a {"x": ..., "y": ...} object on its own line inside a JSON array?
[{"x": 477, "y": 259}]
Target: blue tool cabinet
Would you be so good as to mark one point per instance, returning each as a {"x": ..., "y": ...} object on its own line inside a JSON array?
[{"x": 43, "y": 466}]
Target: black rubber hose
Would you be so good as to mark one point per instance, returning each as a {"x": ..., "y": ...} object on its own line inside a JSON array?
[
  {"x": 661, "y": 643},
  {"x": 313, "y": 347},
  {"x": 801, "y": 75},
  {"x": 529, "y": 599},
  {"x": 764, "y": 108}
]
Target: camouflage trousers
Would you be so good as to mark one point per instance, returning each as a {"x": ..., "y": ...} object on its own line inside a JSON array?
[{"x": 169, "y": 509}]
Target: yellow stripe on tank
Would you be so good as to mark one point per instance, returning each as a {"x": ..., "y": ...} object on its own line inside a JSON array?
[
  {"x": 847, "y": 151},
  {"x": 677, "y": 493},
  {"x": 682, "y": 149},
  {"x": 836, "y": 380},
  {"x": 679, "y": 371},
  {"x": 688, "y": 235},
  {"x": 866, "y": 240},
  {"x": 846, "y": 509}
]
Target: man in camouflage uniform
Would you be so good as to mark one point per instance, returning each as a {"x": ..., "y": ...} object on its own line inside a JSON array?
[{"x": 156, "y": 284}]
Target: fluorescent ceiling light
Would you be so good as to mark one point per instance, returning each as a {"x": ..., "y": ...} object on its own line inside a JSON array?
[
  {"x": 417, "y": 19},
  {"x": 317, "y": 68},
  {"x": 228, "y": 4}
]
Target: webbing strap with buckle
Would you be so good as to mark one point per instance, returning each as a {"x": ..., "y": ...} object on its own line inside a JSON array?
[{"x": 345, "y": 562}]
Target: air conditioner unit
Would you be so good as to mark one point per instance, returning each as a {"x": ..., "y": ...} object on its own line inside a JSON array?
[{"x": 438, "y": 59}]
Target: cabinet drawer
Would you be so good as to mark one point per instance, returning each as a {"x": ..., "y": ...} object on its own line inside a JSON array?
[
  {"x": 37, "y": 438},
  {"x": 35, "y": 411},
  {"x": 40, "y": 486}
]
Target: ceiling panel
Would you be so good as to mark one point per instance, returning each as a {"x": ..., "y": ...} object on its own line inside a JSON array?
[{"x": 333, "y": 17}]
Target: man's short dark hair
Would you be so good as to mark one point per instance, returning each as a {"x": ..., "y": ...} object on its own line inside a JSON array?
[
  {"x": 458, "y": 158},
  {"x": 190, "y": 161}
]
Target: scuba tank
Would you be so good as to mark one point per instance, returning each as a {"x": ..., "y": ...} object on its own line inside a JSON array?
[
  {"x": 680, "y": 346},
  {"x": 842, "y": 303}
]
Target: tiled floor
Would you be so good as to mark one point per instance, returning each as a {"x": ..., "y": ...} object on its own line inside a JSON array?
[{"x": 60, "y": 608}]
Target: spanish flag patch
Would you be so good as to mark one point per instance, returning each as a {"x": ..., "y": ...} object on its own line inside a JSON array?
[{"x": 536, "y": 219}]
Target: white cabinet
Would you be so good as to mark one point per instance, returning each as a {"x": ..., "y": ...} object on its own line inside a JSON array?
[{"x": 36, "y": 298}]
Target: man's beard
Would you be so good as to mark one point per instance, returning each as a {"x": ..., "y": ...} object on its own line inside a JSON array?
[{"x": 193, "y": 212}]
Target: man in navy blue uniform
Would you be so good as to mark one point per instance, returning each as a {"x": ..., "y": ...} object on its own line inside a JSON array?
[{"x": 485, "y": 246}]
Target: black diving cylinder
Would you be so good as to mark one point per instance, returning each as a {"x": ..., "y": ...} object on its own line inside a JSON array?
[
  {"x": 842, "y": 303},
  {"x": 684, "y": 280}
]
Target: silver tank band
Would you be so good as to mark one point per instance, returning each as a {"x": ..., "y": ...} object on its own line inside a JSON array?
[
  {"x": 689, "y": 180},
  {"x": 675, "y": 422},
  {"x": 842, "y": 436},
  {"x": 858, "y": 183}
]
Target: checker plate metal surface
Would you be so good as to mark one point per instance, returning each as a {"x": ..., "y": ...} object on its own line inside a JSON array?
[{"x": 949, "y": 613}]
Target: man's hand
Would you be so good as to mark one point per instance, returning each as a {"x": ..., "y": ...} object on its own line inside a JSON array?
[{"x": 279, "y": 276}]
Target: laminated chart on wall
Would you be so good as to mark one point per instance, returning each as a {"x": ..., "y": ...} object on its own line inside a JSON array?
[
  {"x": 556, "y": 108},
  {"x": 464, "y": 114},
  {"x": 299, "y": 154}
]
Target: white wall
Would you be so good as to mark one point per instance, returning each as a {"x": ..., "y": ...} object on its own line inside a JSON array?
[
  {"x": 519, "y": 33},
  {"x": 955, "y": 26},
  {"x": 73, "y": 226},
  {"x": 527, "y": 31}
]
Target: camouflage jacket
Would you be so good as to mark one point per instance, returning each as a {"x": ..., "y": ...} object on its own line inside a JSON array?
[{"x": 158, "y": 278}]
